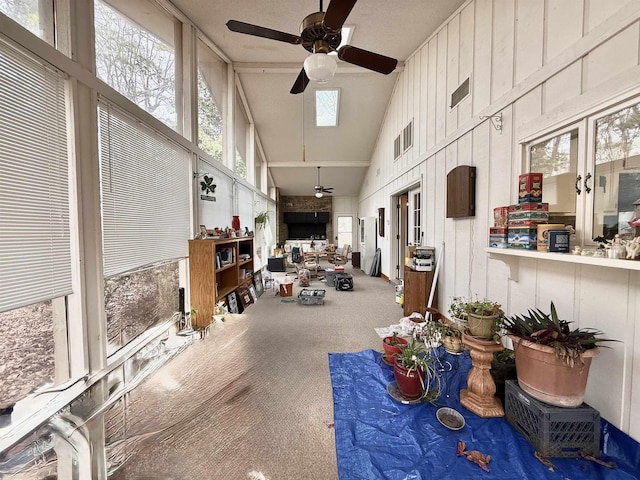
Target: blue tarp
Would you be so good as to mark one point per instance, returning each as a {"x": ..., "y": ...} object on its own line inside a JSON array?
[{"x": 380, "y": 438}]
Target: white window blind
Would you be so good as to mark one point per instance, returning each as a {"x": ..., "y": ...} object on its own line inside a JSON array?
[
  {"x": 145, "y": 194},
  {"x": 35, "y": 253}
]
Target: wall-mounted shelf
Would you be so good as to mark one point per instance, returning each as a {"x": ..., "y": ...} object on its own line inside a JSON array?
[{"x": 511, "y": 258}]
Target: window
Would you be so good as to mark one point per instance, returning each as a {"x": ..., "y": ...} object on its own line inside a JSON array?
[
  {"x": 35, "y": 239},
  {"x": 327, "y": 101},
  {"x": 138, "y": 59},
  {"x": 593, "y": 185},
  {"x": 417, "y": 219},
  {"x": 557, "y": 159},
  {"x": 34, "y": 15},
  {"x": 212, "y": 88},
  {"x": 616, "y": 176},
  {"x": 242, "y": 139}
]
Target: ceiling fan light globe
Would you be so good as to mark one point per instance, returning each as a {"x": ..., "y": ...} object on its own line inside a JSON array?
[
  {"x": 320, "y": 67},
  {"x": 318, "y": 194}
]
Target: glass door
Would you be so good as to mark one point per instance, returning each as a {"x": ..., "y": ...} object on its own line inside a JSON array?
[{"x": 344, "y": 230}]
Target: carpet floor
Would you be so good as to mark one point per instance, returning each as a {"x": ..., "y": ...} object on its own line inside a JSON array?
[{"x": 254, "y": 399}]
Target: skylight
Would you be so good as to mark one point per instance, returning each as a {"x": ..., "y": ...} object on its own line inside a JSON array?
[
  {"x": 327, "y": 107},
  {"x": 347, "y": 32}
]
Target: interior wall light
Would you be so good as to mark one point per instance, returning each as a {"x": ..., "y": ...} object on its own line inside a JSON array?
[
  {"x": 318, "y": 194},
  {"x": 320, "y": 67}
]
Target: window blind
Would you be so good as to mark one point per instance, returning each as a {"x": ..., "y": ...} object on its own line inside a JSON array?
[
  {"x": 145, "y": 194},
  {"x": 35, "y": 252}
]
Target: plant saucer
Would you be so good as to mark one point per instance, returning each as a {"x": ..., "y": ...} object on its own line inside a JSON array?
[
  {"x": 450, "y": 418},
  {"x": 398, "y": 396}
]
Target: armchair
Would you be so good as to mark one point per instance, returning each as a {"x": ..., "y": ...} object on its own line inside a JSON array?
[{"x": 342, "y": 255}]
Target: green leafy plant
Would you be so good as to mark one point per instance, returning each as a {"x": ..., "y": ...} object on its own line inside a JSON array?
[
  {"x": 485, "y": 308},
  {"x": 414, "y": 357},
  {"x": 505, "y": 356},
  {"x": 457, "y": 307},
  {"x": 549, "y": 329},
  {"x": 261, "y": 220}
]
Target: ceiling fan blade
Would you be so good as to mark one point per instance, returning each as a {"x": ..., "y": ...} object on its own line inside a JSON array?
[
  {"x": 336, "y": 14},
  {"x": 328, "y": 190},
  {"x": 241, "y": 27},
  {"x": 370, "y": 60},
  {"x": 301, "y": 83}
]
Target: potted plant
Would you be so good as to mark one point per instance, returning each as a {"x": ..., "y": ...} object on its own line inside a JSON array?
[
  {"x": 503, "y": 368},
  {"x": 552, "y": 361},
  {"x": 415, "y": 374},
  {"x": 440, "y": 332},
  {"x": 452, "y": 338},
  {"x": 457, "y": 311},
  {"x": 261, "y": 220},
  {"x": 484, "y": 318},
  {"x": 392, "y": 346}
]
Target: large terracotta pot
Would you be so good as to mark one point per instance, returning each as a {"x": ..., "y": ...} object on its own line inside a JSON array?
[
  {"x": 544, "y": 376},
  {"x": 409, "y": 382},
  {"x": 481, "y": 326}
]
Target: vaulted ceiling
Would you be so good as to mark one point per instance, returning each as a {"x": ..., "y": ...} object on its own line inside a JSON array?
[{"x": 267, "y": 70}]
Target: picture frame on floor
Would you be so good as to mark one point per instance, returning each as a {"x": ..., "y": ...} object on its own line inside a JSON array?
[
  {"x": 254, "y": 294},
  {"x": 245, "y": 296},
  {"x": 257, "y": 282},
  {"x": 232, "y": 303}
]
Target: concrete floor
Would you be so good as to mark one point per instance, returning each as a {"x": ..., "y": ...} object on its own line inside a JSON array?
[{"x": 255, "y": 395}]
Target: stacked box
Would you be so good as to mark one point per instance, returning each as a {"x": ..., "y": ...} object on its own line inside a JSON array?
[
  {"x": 523, "y": 238},
  {"x": 528, "y": 215},
  {"x": 530, "y": 188},
  {"x": 311, "y": 297},
  {"x": 500, "y": 217},
  {"x": 553, "y": 431},
  {"x": 498, "y": 237}
]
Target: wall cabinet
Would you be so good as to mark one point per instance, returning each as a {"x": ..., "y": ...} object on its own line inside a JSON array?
[
  {"x": 216, "y": 269},
  {"x": 417, "y": 286}
]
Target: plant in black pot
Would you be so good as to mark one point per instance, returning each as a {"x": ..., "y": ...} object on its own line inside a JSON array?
[
  {"x": 552, "y": 360},
  {"x": 484, "y": 317},
  {"x": 503, "y": 368}
]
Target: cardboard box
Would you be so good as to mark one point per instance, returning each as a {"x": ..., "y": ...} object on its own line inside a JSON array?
[
  {"x": 530, "y": 188},
  {"x": 528, "y": 215},
  {"x": 498, "y": 231}
]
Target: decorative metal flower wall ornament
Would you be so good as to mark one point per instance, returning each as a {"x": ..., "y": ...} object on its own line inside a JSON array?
[{"x": 207, "y": 185}]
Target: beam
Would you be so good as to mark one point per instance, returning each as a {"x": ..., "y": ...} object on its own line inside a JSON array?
[
  {"x": 261, "y": 68},
  {"x": 329, "y": 164}
]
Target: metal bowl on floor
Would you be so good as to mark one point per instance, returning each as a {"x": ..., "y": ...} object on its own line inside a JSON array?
[{"x": 450, "y": 418}]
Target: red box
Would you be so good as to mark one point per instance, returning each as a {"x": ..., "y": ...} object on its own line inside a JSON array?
[
  {"x": 530, "y": 188},
  {"x": 525, "y": 207},
  {"x": 500, "y": 216},
  {"x": 498, "y": 231}
]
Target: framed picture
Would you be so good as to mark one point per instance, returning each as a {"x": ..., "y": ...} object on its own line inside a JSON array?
[
  {"x": 245, "y": 296},
  {"x": 252, "y": 291},
  {"x": 381, "y": 222},
  {"x": 203, "y": 231},
  {"x": 232, "y": 303},
  {"x": 257, "y": 282}
]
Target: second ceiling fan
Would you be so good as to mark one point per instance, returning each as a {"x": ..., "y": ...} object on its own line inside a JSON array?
[
  {"x": 321, "y": 190},
  {"x": 321, "y": 34}
]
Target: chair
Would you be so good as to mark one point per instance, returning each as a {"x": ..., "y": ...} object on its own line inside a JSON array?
[
  {"x": 310, "y": 262},
  {"x": 342, "y": 255}
]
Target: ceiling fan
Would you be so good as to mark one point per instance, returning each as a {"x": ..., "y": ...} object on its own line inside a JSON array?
[
  {"x": 320, "y": 34},
  {"x": 320, "y": 190}
]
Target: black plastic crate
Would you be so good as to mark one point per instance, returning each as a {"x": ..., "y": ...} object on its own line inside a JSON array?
[{"x": 553, "y": 431}]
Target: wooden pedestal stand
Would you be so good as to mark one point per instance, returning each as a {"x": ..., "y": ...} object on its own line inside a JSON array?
[{"x": 479, "y": 394}]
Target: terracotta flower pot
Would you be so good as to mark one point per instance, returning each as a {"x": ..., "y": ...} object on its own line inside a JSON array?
[
  {"x": 546, "y": 377},
  {"x": 452, "y": 344},
  {"x": 393, "y": 346},
  {"x": 481, "y": 326},
  {"x": 409, "y": 382}
]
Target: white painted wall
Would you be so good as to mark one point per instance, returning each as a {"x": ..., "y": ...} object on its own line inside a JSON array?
[{"x": 540, "y": 64}]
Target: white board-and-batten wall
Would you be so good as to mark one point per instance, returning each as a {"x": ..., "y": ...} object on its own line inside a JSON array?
[{"x": 542, "y": 64}]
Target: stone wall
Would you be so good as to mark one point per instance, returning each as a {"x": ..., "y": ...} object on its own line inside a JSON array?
[{"x": 302, "y": 204}]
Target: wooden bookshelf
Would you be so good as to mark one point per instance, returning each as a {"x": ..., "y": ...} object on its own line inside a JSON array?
[{"x": 214, "y": 266}]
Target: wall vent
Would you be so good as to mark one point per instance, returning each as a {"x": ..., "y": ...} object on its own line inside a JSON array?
[
  {"x": 460, "y": 93},
  {"x": 396, "y": 148},
  {"x": 407, "y": 136}
]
